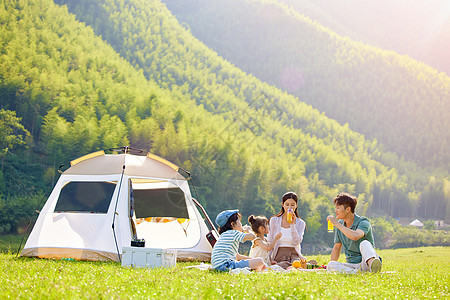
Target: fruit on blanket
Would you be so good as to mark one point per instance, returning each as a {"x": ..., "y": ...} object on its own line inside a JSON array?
[{"x": 297, "y": 264}]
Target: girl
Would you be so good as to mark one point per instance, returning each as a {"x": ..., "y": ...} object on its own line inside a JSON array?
[
  {"x": 260, "y": 245},
  {"x": 225, "y": 256},
  {"x": 287, "y": 248}
]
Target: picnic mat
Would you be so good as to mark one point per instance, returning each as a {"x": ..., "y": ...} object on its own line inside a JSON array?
[{"x": 273, "y": 268}]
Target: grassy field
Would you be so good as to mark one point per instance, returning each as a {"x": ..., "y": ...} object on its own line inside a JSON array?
[{"x": 414, "y": 273}]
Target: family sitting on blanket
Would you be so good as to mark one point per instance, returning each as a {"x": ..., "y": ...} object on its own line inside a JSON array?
[{"x": 285, "y": 234}]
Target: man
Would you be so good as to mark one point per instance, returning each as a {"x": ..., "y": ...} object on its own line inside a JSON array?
[{"x": 355, "y": 234}]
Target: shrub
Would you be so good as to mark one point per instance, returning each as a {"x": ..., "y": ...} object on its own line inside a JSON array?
[{"x": 15, "y": 212}]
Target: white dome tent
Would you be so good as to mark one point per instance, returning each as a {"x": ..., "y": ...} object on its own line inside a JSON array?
[
  {"x": 416, "y": 223},
  {"x": 104, "y": 201}
]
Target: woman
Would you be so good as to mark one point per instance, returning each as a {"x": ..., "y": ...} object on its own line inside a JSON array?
[{"x": 287, "y": 249}]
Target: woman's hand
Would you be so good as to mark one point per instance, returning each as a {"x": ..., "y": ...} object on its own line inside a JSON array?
[
  {"x": 294, "y": 217},
  {"x": 278, "y": 236}
]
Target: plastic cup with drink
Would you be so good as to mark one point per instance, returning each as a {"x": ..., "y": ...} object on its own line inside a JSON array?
[
  {"x": 289, "y": 216},
  {"x": 330, "y": 226}
]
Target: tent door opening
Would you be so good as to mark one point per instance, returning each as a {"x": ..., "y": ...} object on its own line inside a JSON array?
[{"x": 158, "y": 213}]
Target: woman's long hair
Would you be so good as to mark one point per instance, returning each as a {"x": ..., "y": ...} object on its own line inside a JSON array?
[{"x": 286, "y": 196}]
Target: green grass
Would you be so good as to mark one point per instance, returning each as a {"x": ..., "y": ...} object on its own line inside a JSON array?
[{"x": 417, "y": 273}]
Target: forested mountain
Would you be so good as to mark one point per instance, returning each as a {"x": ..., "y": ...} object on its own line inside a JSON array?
[
  {"x": 417, "y": 28},
  {"x": 138, "y": 77},
  {"x": 402, "y": 103}
]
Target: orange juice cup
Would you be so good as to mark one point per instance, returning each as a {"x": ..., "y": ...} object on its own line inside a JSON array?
[
  {"x": 330, "y": 226},
  {"x": 289, "y": 216}
]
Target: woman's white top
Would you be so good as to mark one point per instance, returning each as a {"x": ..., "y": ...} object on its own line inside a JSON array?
[
  {"x": 286, "y": 238},
  {"x": 297, "y": 230}
]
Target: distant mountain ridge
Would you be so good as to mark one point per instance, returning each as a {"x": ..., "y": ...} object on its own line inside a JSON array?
[{"x": 399, "y": 101}]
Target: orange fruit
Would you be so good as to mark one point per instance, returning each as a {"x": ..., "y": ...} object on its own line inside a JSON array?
[{"x": 296, "y": 264}]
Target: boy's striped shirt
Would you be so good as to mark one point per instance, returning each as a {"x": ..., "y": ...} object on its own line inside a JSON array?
[{"x": 226, "y": 247}]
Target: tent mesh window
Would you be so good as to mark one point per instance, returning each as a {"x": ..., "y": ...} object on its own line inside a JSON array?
[
  {"x": 92, "y": 197},
  {"x": 167, "y": 202}
]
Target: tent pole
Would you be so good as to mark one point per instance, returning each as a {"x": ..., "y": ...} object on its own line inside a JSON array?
[{"x": 115, "y": 212}]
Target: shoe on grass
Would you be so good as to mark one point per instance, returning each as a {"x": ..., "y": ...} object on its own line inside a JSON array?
[{"x": 375, "y": 267}]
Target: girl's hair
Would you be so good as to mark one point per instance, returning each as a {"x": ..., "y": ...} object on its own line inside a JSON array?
[
  {"x": 286, "y": 196},
  {"x": 233, "y": 218},
  {"x": 257, "y": 222}
]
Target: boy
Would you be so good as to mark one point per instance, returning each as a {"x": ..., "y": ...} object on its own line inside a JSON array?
[
  {"x": 355, "y": 234},
  {"x": 225, "y": 256}
]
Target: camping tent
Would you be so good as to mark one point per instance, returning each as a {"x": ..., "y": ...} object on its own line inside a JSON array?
[
  {"x": 416, "y": 223},
  {"x": 104, "y": 201}
]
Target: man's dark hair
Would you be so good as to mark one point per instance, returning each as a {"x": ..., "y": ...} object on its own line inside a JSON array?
[{"x": 347, "y": 200}]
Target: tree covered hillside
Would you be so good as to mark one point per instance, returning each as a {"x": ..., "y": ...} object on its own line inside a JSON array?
[
  {"x": 149, "y": 37},
  {"x": 246, "y": 143},
  {"x": 417, "y": 28},
  {"x": 395, "y": 99}
]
